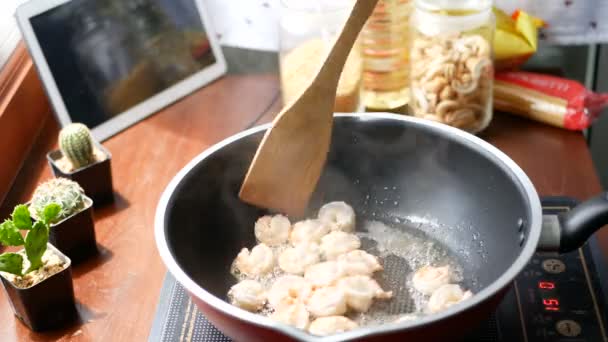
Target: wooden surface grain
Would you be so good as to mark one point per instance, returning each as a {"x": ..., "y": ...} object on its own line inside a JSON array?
[{"x": 118, "y": 292}]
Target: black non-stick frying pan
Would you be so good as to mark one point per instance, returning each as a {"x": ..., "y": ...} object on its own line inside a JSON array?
[{"x": 480, "y": 205}]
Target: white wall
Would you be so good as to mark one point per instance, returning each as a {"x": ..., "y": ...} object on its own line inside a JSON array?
[{"x": 9, "y": 33}]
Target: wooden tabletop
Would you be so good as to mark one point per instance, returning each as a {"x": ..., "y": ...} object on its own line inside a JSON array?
[{"x": 117, "y": 292}]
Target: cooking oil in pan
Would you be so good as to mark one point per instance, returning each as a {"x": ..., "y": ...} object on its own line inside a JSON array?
[{"x": 402, "y": 251}]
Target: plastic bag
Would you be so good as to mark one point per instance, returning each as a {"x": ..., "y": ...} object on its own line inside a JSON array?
[
  {"x": 516, "y": 38},
  {"x": 553, "y": 100}
]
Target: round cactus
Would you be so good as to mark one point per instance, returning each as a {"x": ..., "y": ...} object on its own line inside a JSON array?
[
  {"x": 76, "y": 144},
  {"x": 62, "y": 191}
]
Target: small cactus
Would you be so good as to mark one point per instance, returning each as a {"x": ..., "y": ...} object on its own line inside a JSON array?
[
  {"x": 68, "y": 194},
  {"x": 76, "y": 144}
]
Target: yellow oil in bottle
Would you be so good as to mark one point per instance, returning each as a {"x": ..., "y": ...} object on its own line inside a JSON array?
[{"x": 384, "y": 42}]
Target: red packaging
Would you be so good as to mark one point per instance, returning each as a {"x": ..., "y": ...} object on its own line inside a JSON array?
[{"x": 553, "y": 100}]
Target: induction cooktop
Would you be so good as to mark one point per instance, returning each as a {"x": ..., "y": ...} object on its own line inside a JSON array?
[{"x": 555, "y": 298}]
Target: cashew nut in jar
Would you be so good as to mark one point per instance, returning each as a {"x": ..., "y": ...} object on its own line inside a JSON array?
[
  {"x": 452, "y": 79},
  {"x": 461, "y": 118}
]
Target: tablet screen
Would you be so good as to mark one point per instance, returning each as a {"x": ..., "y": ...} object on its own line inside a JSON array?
[{"x": 107, "y": 56}]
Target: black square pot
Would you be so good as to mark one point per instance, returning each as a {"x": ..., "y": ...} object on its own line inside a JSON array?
[
  {"x": 95, "y": 179},
  {"x": 75, "y": 236},
  {"x": 47, "y": 305}
]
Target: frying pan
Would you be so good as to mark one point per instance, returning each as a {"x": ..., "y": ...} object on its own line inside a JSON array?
[{"x": 475, "y": 201}]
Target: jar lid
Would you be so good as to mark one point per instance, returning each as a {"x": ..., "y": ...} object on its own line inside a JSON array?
[{"x": 429, "y": 19}]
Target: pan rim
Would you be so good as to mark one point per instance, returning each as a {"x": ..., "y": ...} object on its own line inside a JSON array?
[{"x": 527, "y": 251}]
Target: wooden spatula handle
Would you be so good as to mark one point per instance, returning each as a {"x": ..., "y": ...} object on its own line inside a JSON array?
[
  {"x": 287, "y": 165},
  {"x": 329, "y": 74}
]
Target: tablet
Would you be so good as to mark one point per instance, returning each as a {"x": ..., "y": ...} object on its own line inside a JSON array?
[{"x": 111, "y": 63}]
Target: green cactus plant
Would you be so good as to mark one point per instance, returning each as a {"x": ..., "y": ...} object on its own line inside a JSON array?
[
  {"x": 76, "y": 144},
  {"x": 35, "y": 242},
  {"x": 68, "y": 194}
]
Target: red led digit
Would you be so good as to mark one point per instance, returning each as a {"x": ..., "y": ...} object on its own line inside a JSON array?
[
  {"x": 546, "y": 285},
  {"x": 551, "y": 308},
  {"x": 551, "y": 302}
]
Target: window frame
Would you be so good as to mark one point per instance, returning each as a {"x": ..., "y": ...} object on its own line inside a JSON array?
[{"x": 24, "y": 108}]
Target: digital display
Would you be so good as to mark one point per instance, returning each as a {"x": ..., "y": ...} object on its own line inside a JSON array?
[
  {"x": 546, "y": 285},
  {"x": 547, "y": 290},
  {"x": 107, "y": 56}
]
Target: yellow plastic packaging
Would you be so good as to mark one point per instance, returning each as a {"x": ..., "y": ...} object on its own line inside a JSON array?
[{"x": 515, "y": 39}]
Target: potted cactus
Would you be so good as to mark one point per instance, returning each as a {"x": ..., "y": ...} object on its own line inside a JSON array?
[
  {"x": 37, "y": 280},
  {"x": 82, "y": 159},
  {"x": 72, "y": 230}
]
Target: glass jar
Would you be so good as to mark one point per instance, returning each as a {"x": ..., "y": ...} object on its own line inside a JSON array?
[
  {"x": 384, "y": 44},
  {"x": 306, "y": 33},
  {"x": 451, "y": 64}
]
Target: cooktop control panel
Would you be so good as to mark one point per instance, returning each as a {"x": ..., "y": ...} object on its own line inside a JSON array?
[
  {"x": 556, "y": 298},
  {"x": 559, "y": 300}
]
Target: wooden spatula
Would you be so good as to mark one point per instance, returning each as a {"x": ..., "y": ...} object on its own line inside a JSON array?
[{"x": 291, "y": 156}]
